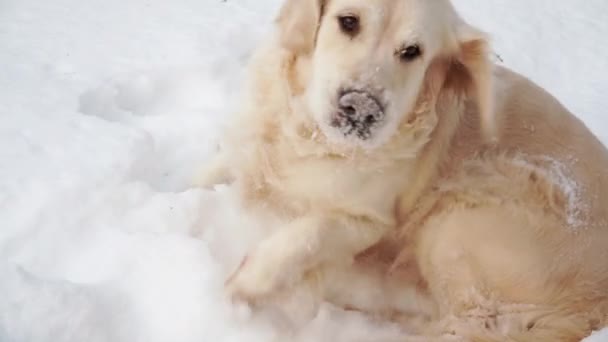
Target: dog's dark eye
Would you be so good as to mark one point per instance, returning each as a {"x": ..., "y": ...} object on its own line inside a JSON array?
[
  {"x": 349, "y": 24},
  {"x": 409, "y": 53}
]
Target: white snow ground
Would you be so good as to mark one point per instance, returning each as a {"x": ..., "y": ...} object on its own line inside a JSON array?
[{"x": 109, "y": 107}]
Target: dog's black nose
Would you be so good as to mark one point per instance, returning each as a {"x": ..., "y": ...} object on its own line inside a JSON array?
[{"x": 360, "y": 108}]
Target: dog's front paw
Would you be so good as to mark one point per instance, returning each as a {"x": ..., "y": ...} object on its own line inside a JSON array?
[{"x": 260, "y": 275}]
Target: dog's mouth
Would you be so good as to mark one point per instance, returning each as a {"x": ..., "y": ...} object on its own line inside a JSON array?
[{"x": 358, "y": 114}]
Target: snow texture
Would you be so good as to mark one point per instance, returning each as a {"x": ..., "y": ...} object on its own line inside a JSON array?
[{"x": 108, "y": 109}]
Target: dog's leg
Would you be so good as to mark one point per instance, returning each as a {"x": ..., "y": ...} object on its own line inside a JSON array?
[
  {"x": 373, "y": 291},
  {"x": 365, "y": 288},
  {"x": 284, "y": 257},
  {"x": 370, "y": 289}
]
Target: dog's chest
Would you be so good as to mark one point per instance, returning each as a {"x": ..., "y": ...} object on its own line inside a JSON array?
[{"x": 342, "y": 185}]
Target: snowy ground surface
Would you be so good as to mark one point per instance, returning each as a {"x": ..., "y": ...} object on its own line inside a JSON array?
[{"x": 109, "y": 107}]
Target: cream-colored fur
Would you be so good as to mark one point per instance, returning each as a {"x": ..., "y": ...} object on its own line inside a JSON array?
[
  {"x": 500, "y": 193},
  {"x": 511, "y": 239}
]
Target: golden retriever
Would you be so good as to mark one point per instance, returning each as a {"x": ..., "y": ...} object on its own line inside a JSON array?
[{"x": 381, "y": 131}]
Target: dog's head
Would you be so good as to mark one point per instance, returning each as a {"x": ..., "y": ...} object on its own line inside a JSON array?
[{"x": 371, "y": 60}]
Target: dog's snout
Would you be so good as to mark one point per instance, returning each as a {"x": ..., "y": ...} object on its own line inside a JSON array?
[
  {"x": 358, "y": 113},
  {"x": 360, "y": 106}
]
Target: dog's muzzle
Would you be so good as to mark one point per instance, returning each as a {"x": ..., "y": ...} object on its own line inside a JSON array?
[{"x": 358, "y": 113}]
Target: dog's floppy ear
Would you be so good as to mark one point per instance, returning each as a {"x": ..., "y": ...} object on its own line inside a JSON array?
[
  {"x": 473, "y": 57},
  {"x": 298, "y": 23}
]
